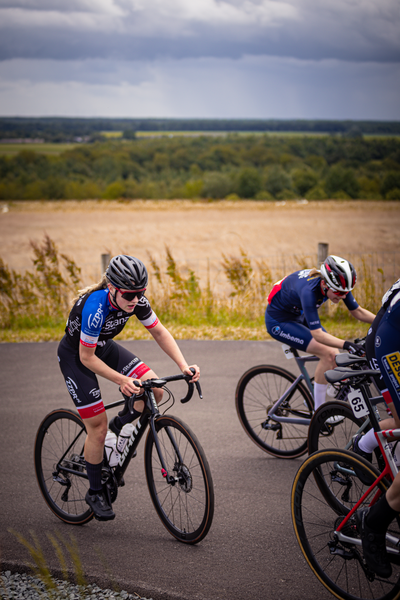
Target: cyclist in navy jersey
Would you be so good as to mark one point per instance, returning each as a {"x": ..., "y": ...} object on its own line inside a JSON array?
[
  {"x": 88, "y": 349},
  {"x": 373, "y": 522},
  {"x": 365, "y": 444},
  {"x": 292, "y": 316}
]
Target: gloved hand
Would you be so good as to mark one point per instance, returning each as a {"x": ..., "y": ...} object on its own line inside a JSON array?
[{"x": 353, "y": 348}]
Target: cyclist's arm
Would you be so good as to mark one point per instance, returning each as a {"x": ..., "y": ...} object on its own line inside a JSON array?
[
  {"x": 362, "y": 314},
  {"x": 326, "y": 338},
  {"x": 167, "y": 343},
  {"x": 89, "y": 359}
]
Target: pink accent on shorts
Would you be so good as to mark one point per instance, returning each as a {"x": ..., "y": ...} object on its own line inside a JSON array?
[
  {"x": 140, "y": 370},
  {"x": 92, "y": 410}
]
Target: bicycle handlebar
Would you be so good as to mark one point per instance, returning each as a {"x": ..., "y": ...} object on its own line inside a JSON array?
[{"x": 159, "y": 383}]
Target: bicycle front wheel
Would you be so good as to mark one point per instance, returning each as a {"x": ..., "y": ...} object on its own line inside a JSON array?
[
  {"x": 60, "y": 466},
  {"x": 257, "y": 391},
  {"x": 185, "y": 505},
  {"x": 333, "y": 426},
  {"x": 339, "y": 564}
]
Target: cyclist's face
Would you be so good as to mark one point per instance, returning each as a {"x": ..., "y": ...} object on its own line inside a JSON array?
[
  {"x": 335, "y": 297},
  {"x": 123, "y": 303}
]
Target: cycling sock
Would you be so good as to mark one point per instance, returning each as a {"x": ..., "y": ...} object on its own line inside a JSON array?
[
  {"x": 380, "y": 516},
  {"x": 319, "y": 394},
  {"x": 367, "y": 443},
  {"x": 94, "y": 476}
]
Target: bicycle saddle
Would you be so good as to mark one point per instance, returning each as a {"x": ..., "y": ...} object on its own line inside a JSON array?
[{"x": 339, "y": 374}]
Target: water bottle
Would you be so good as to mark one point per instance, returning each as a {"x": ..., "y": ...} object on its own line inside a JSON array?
[
  {"x": 111, "y": 449},
  {"x": 124, "y": 436}
]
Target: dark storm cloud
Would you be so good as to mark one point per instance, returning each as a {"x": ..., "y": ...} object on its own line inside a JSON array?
[{"x": 353, "y": 30}]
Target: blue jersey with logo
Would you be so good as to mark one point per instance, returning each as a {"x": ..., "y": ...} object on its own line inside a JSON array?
[
  {"x": 299, "y": 296},
  {"x": 93, "y": 320}
]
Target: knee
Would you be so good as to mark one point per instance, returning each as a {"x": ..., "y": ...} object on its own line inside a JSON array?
[{"x": 98, "y": 431}]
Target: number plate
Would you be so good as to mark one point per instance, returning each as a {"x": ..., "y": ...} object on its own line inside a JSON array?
[{"x": 357, "y": 403}]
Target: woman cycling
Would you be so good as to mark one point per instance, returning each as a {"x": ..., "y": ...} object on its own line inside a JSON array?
[
  {"x": 87, "y": 350},
  {"x": 292, "y": 317},
  {"x": 373, "y": 522}
]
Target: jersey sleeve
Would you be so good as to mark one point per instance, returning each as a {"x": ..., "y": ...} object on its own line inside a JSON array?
[
  {"x": 145, "y": 314},
  {"x": 350, "y": 302},
  {"x": 310, "y": 310},
  {"x": 93, "y": 316}
]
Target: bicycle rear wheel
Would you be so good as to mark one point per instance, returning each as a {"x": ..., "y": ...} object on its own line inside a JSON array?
[
  {"x": 185, "y": 506},
  {"x": 257, "y": 391},
  {"x": 339, "y": 565},
  {"x": 59, "y": 446}
]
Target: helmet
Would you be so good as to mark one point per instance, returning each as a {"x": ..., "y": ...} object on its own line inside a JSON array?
[
  {"x": 339, "y": 273},
  {"x": 127, "y": 273}
]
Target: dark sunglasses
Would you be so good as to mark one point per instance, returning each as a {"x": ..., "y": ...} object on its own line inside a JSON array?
[{"x": 131, "y": 295}]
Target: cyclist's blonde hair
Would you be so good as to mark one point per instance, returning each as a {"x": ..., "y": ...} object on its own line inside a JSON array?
[
  {"x": 314, "y": 271},
  {"x": 101, "y": 285}
]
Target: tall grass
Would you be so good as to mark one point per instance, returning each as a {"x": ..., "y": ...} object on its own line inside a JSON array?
[{"x": 34, "y": 305}]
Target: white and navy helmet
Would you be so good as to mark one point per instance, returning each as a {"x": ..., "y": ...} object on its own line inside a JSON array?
[
  {"x": 338, "y": 273},
  {"x": 127, "y": 273}
]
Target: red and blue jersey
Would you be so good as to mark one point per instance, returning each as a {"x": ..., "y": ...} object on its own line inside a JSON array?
[
  {"x": 299, "y": 296},
  {"x": 93, "y": 320}
]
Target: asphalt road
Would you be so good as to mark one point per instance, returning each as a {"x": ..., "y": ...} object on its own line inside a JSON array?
[{"x": 250, "y": 551}]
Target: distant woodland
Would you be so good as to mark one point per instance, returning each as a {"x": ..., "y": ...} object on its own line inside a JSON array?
[{"x": 342, "y": 160}]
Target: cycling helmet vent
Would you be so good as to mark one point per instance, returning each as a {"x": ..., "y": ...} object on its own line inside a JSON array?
[
  {"x": 127, "y": 273},
  {"x": 339, "y": 273}
]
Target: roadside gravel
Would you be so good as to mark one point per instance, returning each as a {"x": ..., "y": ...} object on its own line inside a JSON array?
[{"x": 20, "y": 586}]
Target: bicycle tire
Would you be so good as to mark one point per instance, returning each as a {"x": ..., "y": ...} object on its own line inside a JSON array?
[
  {"x": 185, "y": 508},
  {"x": 62, "y": 432},
  {"x": 256, "y": 392},
  {"x": 322, "y": 435},
  {"x": 339, "y": 566}
]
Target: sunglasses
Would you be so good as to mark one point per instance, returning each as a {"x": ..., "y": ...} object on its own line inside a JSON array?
[
  {"x": 338, "y": 293},
  {"x": 131, "y": 295}
]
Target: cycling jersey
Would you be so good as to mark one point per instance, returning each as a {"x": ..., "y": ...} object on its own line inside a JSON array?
[
  {"x": 387, "y": 349},
  {"x": 93, "y": 320},
  {"x": 300, "y": 294}
]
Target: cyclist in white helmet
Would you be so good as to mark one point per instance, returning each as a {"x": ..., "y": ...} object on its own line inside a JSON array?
[
  {"x": 88, "y": 349},
  {"x": 292, "y": 316}
]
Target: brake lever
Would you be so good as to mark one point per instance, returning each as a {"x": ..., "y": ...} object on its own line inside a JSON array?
[
  {"x": 191, "y": 389},
  {"x": 130, "y": 400}
]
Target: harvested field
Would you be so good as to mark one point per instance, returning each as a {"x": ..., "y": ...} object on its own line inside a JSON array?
[{"x": 197, "y": 233}]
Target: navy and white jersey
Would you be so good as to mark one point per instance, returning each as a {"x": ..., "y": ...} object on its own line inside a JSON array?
[
  {"x": 93, "y": 320},
  {"x": 299, "y": 295}
]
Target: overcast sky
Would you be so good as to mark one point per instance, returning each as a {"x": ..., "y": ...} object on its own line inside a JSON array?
[{"x": 322, "y": 59}]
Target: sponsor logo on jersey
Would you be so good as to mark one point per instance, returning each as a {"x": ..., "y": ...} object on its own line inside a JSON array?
[
  {"x": 276, "y": 329},
  {"x": 95, "y": 393},
  {"x": 377, "y": 341},
  {"x": 96, "y": 321},
  {"x": 391, "y": 363},
  {"x": 74, "y": 325},
  {"x": 72, "y": 388},
  {"x": 113, "y": 323},
  {"x": 304, "y": 273}
]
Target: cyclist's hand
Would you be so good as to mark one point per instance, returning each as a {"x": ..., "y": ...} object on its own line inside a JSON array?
[
  {"x": 353, "y": 348},
  {"x": 129, "y": 388},
  {"x": 196, "y": 375}
]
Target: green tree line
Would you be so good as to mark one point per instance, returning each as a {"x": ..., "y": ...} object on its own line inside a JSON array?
[
  {"x": 64, "y": 129},
  {"x": 234, "y": 166}
]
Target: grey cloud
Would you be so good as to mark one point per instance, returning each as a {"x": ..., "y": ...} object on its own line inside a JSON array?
[{"x": 357, "y": 30}]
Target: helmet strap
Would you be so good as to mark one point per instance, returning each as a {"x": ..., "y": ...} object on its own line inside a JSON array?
[{"x": 113, "y": 300}]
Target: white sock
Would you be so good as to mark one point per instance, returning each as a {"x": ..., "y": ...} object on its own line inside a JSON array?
[
  {"x": 368, "y": 442},
  {"x": 319, "y": 394}
]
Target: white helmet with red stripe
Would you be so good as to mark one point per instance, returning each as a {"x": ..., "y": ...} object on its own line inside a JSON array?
[{"x": 338, "y": 273}]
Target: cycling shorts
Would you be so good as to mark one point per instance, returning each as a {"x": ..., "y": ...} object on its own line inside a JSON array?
[
  {"x": 295, "y": 334},
  {"x": 387, "y": 352},
  {"x": 82, "y": 383}
]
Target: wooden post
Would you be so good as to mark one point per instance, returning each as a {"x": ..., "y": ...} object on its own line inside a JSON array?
[
  {"x": 105, "y": 259},
  {"x": 323, "y": 251}
]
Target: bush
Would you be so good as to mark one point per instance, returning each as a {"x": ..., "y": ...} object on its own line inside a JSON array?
[
  {"x": 341, "y": 180},
  {"x": 316, "y": 193},
  {"x": 277, "y": 180},
  {"x": 217, "y": 185},
  {"x": 394, "y": 194},
  {"x": 249, "y": 183}
]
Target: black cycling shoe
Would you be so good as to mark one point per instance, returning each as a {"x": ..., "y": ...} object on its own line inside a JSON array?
[
  {"x": 363, "y": 477},
  {"x": 374, "y": 546},
  {"x": 100, "y": 506},
  {"x": 113, "y": 426}
]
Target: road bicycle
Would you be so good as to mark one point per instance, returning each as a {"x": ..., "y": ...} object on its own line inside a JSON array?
[
  {"x": 275, "y": 407},
  {"x": 329, "y": 487},
  {"x": 177, "y": 471}
]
